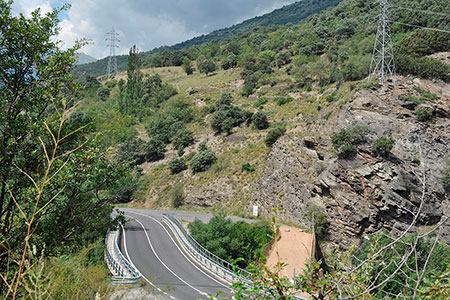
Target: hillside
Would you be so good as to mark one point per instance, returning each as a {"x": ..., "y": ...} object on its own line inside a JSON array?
[
  {"x": 293, "y": 13},
  {"x": 287, "y": 118}
]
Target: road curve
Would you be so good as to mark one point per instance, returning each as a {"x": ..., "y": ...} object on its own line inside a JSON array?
[{"x": 151, "y": 246}]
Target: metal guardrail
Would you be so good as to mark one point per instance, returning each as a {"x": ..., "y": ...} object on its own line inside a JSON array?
[
  {"x": 126, "y": 272},
  {"x": 215, "y": 264}
]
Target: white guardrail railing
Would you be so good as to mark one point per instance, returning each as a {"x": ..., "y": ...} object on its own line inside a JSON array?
[
  {"x": 124, "y": 272},
  {"x": 212, "y": 262}
]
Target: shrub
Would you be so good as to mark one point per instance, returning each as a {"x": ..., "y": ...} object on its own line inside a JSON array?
[
  {"x": 154, "y": 149},
  {"x": 248, "y": 167},
  {"x": 273, "y": 135},
  {"x": 132, "y": 152},
  {"x": 331, "y": 97},
  {"x": 227, "y": 116},
  {"x": 344, "y": 141},
  {"x": 103, "y": 93},
  {"x": 284, "y": 100},
  {"x": 177, "y": 195},
  {"x": 446, "y": 175},
  {"x": 201, "y": 161},
  {"x": 182, "y": 139},
  {"x": 260, "y": 103},
  {"x": 206, "y": 66},
  {"x": 193, "y": 91},
  {"x": 177, "y": 165},
  {"x": 317, "y": 218},
  {"x": 383, "y": 145},
  {"x": 231, "y": 241},
  {"x": 260, "y": 121},
  {"x": 424, "y": 114}
]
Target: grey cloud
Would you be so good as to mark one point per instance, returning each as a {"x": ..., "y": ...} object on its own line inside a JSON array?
[{"x": 155, "y": 23}]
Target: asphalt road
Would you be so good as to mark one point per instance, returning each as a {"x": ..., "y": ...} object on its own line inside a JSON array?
[{"x": 151, "y": 246}]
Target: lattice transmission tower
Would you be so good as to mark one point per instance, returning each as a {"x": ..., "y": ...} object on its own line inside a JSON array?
[
  {"x": 382, "y": 64},
  {"x": 113, "y": 44}
]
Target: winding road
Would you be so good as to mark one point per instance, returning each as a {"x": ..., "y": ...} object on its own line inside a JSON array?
[{"x": 151, "y": 246}]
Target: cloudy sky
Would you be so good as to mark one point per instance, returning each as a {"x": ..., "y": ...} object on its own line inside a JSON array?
[{"x": 146, "y": 23}]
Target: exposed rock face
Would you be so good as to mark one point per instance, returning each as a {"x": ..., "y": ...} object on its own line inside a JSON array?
[{"x": 367, "y": 193}]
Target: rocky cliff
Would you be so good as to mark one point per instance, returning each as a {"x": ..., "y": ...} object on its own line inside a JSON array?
[{"x": 366, "y": 193}]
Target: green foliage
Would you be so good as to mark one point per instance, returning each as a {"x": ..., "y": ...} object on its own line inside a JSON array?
[
  {"x": 411, "y": 98},
  {"x": 260, "y": 121},
  {"x": 231, "y": 241},
  {"x": 424, "y": 114},
  {"x": 182, "y": 138},
  {"x": 248, "y": 168},
  {"x": 383, "y": 145},
  {"x": 177, "y": 165},
  {"x": 346, "y": 140},
  {"x": 226, "y": 115},
  {"x": 154, "y": 149},
  {"x": 203, "y": 160},
  {"x": 437, "y": 263},
  {"x": 317, "y": 218},
  {"x": 260, "y": 103},
  {"x": 187, "y": 66},
  {"x": 177, "y": 195},
  {"x": 274, "y": 134},
  {"x": 331, "y": 97},
  {"x": 86, "y": 272},
  {"x": 284, "y": 100},
  {"x": 103, "y": 93},
  {"x": 446, "y": 174},
  {"x": 206, "y": 66},
  {"x": 131, "y": 152}
]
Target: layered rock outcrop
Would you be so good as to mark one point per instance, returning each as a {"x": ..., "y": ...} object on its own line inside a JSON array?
[{"x": 366, "y": 193}]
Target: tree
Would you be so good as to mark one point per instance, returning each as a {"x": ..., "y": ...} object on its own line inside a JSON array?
[
  {"x": 206, "y": 66},
  {"x": 273, "y": 135},
  {"x": 383, "y": 145},
  {"x": 177, "y": 165},
  {"x": 53, "y": 177},
  {"x": 134, "y": 79},
  {"x": 187, "y": 66},
  {"x": 201, "y": 161},
  {"x": 260, "y": 121}
]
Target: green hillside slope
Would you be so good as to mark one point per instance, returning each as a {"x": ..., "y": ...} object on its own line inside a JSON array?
[{"x": 293, "y": 13}]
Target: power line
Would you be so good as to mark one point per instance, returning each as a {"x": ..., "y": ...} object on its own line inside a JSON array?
[
  {"x": 382, "y": 63},
  {"x": 112, "y": 62},
  {"x": 422, "y": 11},
  {"x": 422, "y": 27}
]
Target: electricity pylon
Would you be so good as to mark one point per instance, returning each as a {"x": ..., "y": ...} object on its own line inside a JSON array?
[
  {"x": 112, "y": 62},
  {"x": 382, "y": 64}
]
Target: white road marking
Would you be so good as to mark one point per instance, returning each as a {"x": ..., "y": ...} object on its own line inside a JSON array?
[
  {"x": 182, "y": 252},
  {"x": 153, "y": 249},
  {"x": 129, "y": 258}
]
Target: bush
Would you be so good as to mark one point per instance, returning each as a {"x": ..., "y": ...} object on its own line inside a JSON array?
[
  {"x": 424, "y": 114},
  {"x": 383, "y": 145},
  {"x": 273, "y": 135},
  {"x": 201, "y": 161},
  {"x": 177, "y": 195},
  {"x": 446, "y": 175},
  {"x": 260, "y": 103},
  {"x": 317, "y": 218},
  {"x": 131, "y": 152},
  {"x": 284, "y": 100},
  {"x": 248, "y": 167},
  {"x": 182, "y": 139},
  {"x": 227, "y": 116},
  {"x": 260, "y": 121},
  {"x": 231, "y": 241},
  {"x": 177, "y": 165},
  {"x": 206, "y": 66},
  {"x": 154, "y": 149},
  {"x": 344, "y": 141},
  {"x": 103, "y": 93}
]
